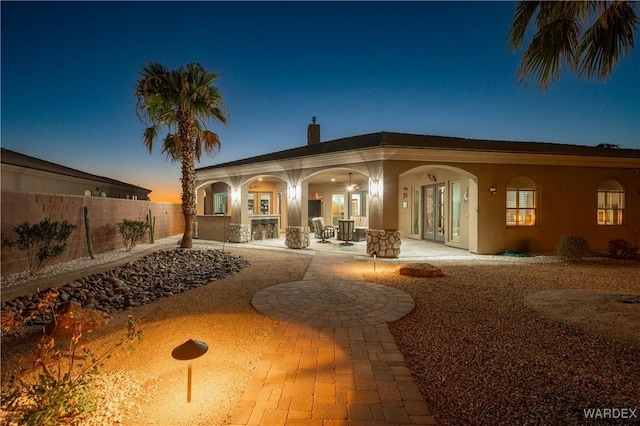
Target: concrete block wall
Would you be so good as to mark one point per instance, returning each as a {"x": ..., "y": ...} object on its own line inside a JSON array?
[{"x": 103, "y": 214}]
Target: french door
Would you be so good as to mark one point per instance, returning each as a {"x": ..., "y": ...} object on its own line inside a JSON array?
[{"x": 434, "y": 208}]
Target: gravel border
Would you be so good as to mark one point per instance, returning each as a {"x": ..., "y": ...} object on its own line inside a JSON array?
[{"x": 482, "y": 356}]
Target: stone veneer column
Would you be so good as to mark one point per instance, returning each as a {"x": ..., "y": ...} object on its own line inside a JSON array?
[
  {"x": 297, "y": 237},
  {"x": 384, "y": 243},
  {"x": 239, "y": 232}
]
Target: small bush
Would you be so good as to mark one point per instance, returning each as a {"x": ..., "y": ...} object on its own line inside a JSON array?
[
  {"x": 572, "y": 247},
  {"x": 57, "y": 385},
  {"x": 622, "y": 249},
  {"x": 43, "y": 241},
  {"x": 132, "y": 232}
]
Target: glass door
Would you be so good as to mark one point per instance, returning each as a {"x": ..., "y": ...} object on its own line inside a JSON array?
[
  {"x": 337, "y": 207},
  {"x": 434, "y": 209}
]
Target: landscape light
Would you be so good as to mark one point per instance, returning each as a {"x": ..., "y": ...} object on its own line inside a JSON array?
[{"x": 188, "y": 351}]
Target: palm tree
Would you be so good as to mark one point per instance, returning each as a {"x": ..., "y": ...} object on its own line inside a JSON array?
[
  {"x": 561, "y": 39},
  {"x": 181, "y": 101}
]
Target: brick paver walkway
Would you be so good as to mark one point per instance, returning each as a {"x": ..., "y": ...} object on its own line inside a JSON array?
[{"x": 333, "y": 360}]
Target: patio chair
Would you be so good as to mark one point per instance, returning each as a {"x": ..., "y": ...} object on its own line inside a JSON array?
[{"x": 323, "y": 232}]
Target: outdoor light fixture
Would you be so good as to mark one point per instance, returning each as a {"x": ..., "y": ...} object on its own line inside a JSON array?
[
  {"x": 188, "y": 351},
  {"x": 493, "y": 190},
  {"x": 235, "y": 195},
  {"x": 291, "y": 191},
  {"x": 375, "y": 255},
  {"x": 432, "y": 178},
  {"x": 350, "y": 186},
  {"x": 374, "y": 188}
]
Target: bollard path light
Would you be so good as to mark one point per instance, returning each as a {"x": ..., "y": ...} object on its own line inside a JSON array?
[
  {"x": 188, "y": 351},
  {"x": 375, "y": 254}
]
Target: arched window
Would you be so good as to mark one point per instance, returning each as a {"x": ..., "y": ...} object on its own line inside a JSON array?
[
  {"x": 610, "y": 203},
  {"x": 521, "y": 202}
]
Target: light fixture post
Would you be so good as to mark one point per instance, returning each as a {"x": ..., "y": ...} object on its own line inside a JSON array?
[{"x": 188, "y": 351}]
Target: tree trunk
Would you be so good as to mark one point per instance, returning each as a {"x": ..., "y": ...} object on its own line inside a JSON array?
[
  {"x": 187, "y": 237},
  {"x": 187, "y": 158}
]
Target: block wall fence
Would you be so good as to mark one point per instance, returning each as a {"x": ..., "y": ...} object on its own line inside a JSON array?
[{"x": 103, "y": 214}]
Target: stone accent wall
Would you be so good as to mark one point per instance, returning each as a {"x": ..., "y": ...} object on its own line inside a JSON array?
[
  {"x": 297, "y": 237},
  {"x": 239, "y": 232},
  {"x": 384, "y": 243},
  {"x": 103, "y": 213}
]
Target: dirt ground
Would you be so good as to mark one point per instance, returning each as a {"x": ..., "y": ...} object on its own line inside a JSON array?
[{"x": 593, "y": 311}]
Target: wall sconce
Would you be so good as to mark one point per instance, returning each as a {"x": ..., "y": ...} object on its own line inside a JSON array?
[
  {"x": 493, "y": 190},
  {"x": 431, "y": 177},
  {"x": 235, "y": 195},
  {"x": 374, "y": 188},
  {"x": 291, "y": 191}
]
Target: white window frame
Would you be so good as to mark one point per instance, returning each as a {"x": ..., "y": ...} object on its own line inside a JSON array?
[{"x": 521, "y": 202}]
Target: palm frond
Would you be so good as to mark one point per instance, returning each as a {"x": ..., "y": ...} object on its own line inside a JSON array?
[
  {"x": 607, "y": 40},
  {"x": 525, "y": 10},
  {"x": 171, "y": 147},
  {"x": 149, "y": 136},
  {"x": 551, "y": 49}
]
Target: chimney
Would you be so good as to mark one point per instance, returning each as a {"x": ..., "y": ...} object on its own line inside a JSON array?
[{"x": 313, "y": 132}]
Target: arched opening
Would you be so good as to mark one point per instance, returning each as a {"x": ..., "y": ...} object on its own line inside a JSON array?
[
  {"x": 337, "y": 194},
  {"x": 438, "y": 203}
]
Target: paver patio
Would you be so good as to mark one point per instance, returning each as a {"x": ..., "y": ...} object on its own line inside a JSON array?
[{"x": 332, "y": 360}]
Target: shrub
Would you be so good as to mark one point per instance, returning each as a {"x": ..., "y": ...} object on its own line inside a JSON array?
[
  {"x": 622, "y": 249},
  {"x": 572, "y": 247},
  {"x": 43, "y": 241},
  {"x": 58, "y": 386},
  {"x": 132, "y": 232}
]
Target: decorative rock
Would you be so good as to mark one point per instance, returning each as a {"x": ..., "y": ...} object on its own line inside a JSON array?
[
  {"x": 420, "y": 270},
  {"x": 297, "y": 237},
  {"x": 239, "y": 233},
  {"x": 167, "y": 272},
  {"x": 383, "y": 243}
]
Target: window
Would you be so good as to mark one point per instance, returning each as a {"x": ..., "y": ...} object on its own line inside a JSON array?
[
  {"x": 220, "y": 203},
  {"x": 521, "y": 202},
  {"x": 455, "y": 211},
  {"x": 415, "y": 229},
  {"x": 610, "y": 203}
]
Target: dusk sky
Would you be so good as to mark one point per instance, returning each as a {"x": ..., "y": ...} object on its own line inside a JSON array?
[{"x": 436, "y": 68}]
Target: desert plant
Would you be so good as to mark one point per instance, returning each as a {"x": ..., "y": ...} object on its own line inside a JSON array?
[
  {"x": 572, "y": 247},
  {"x": 87, "y": 230},
  {"x": 132, "y": 232},
  {"x": 151, "y": 225},
  {"x": 58, "y": 387},
  {"x": 622, "y": 249},
  {"x": 43, "y": 241}
]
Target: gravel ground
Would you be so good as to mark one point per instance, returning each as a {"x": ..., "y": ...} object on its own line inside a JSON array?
[
  {"x": 148, "y": 387},
  {"x": 480, "y": 349},
  {"x": 482, "y": 355}
]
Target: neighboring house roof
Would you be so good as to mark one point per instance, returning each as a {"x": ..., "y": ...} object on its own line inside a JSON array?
[
  {"x": 20, "y": 160},
  {"x": 389, "y": 139}
]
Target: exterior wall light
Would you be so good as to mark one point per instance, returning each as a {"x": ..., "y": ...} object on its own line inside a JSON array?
[
  {"x": 374, "y": 188},
  {"x": 291, "y": 191},
  {"x": 493, "y": 190},
  {"x": 235, "y": 195}
]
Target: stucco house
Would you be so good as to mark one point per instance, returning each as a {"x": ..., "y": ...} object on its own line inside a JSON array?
[
  {"x": 479, "y": 195},
  {"x": 22, "y": 173}
]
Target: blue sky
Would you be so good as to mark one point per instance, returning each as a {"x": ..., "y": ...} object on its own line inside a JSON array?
[{"x": 439, "y": 68}]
